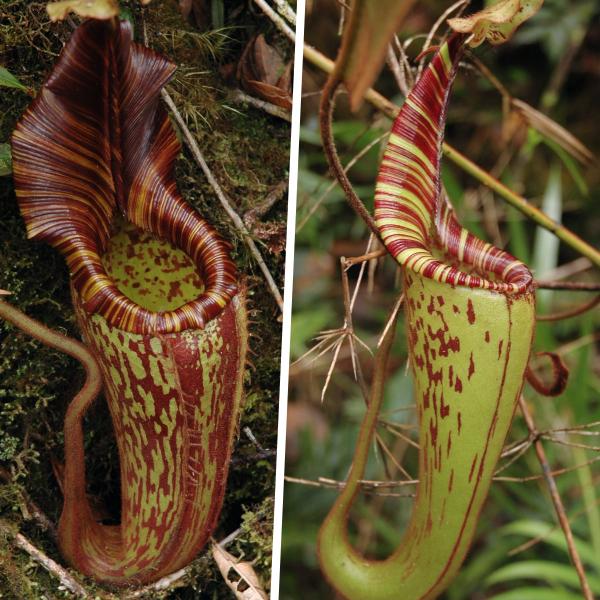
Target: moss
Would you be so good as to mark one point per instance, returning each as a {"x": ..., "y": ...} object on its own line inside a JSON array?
[
  {"x": 257, "y": 534},
  {"x": 13, "y": 573},
  {"x": 248, "y": 152}
]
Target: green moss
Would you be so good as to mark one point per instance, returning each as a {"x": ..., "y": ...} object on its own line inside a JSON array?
[{"x": 257, "y": 534}]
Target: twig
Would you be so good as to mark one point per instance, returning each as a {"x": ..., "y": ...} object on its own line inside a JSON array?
[
  {"x": 332, "y": 185},
  {"x": 285, "y": 10},
  {"x": 361, "y": 272},
  {"x": 35, "y": 512},
  {"x": 355, "y": 260},
  {"x": 250, "y": 435},
  {"x": 367, "y": 487},
  {"x": 516, "y": 452},
  {"x": 577, "y": 429},
  {"x": 572, "y": 312},
  {"x": 195, "y": 150},
  {"x": 397, "y": 70},
  {"x": 572, "y": 286},
  {"x": 65, "y": 578},
  {"x": 277, "y": 20},
  {"x": 391, "y": 319},
  {"x": 268, "y": 107},
  {"x": 230, "y": 538},
  {"x": 497, "y": 478},
  {"x": 252, "y": 215},
  {"x": 556, "y": 500},
  {"x": 556, "y": 440},
  {"x": 554, "y": 473},
  {"x": 168, "y": 582},
  {"x": 441, "y": 19},
  {"x": 397, "y": 432}
]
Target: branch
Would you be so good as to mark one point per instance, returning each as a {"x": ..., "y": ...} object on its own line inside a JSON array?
[
  {"x": 169, "y": 582},
  {"x": 556, "y": 500},
  {"x": 276, "y": 19},
  {"x": 572, "y": 286},
  {"x": 285, "y": 10},
  {"x": 65, "y": 578},
  {"x": 271, "y": 109}
]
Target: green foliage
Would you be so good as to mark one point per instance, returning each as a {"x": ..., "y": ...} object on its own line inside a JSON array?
[
  {"x": 5, "y": 160},
  {"x": 257, "y": 534},
  {"x": 557, "y": 26},
  {"x": 7, "y": 79},
  {"x": 543, "y": 571}
]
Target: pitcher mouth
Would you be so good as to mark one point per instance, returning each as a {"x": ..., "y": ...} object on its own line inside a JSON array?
[
  {"x": 455, "y": 256},
  {"x": 143, "y": 283}
]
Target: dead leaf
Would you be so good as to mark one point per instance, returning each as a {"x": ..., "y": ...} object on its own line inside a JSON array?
[
  {"x": 197, "y": 12},
  {"x": 552, "y": 130},
  {"x": 287, "y": 77},
  {"x": 370, "y": 28},
  {"x": 94, "y": 9},
  {"x": 239, "y": 576},
  {"x": 497, "y": 23},
  {"x": 185, "y": 8},
  {"x": 263, "y": 73}
]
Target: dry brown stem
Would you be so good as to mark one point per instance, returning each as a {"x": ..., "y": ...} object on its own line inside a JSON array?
[{"x": 557, "y": 501}]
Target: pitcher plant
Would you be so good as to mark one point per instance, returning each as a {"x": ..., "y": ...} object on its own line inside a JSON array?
[
  {"x": 470, "y": 319},
  {"x": 156, "y": 296}
]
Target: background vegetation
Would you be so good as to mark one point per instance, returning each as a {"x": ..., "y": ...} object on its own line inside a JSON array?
[
  {"x": 247, "y": 151},
  {"x": 519, "y": 551}
]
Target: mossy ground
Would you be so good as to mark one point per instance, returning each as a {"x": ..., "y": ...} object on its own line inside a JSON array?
[{"x": 248, "y": 153}]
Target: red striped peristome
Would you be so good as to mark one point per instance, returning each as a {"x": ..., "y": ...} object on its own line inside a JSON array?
[
  {"x": 417, "y": 224},
  {"x": 95, "y": 141}
]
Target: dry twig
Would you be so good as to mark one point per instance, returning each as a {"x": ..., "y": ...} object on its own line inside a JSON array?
[
  {"x": 268, "y": 107},
  {"x": 277, "y": 20},
  {"x": 572, "y": 312},
  {"x": 557, "y": 501},
  {"x": 285, "y": 10},
  {"x": 65, "y": 578}
]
